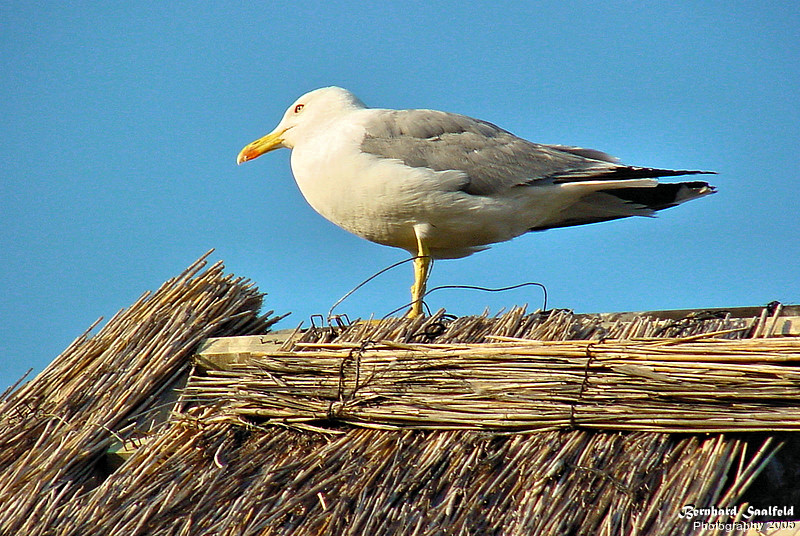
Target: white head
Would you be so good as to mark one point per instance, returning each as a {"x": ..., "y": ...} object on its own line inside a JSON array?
[{"x": 306, "y": 113}]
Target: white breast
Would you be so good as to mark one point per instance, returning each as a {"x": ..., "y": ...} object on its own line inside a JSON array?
[{"x": 374, "y": 198}]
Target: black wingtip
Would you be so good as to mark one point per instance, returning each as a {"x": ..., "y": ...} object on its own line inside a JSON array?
[
  {"x": 647, "y": 172},
  {"x": 694, "y": 172},
  {"x": 627, "y": 173}
]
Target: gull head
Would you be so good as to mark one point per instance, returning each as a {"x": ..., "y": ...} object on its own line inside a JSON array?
[{"x": 303, "y": 117}]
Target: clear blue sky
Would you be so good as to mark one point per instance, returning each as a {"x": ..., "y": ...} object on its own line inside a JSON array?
[{"x": 122, "y": 122}]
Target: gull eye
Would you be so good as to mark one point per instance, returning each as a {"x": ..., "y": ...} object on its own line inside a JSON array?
[{"x": 298, "y": 108}]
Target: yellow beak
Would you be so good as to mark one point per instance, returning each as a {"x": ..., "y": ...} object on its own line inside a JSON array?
[{"x": 268, "y": 143}]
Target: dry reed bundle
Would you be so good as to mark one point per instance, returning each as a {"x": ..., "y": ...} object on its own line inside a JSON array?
[
  {"x": 54, "y": 429},
  {"x": 661, "y": 385},
  {"x": 558, "y": 325},
  {"x": 210, "y": 469},
  {"x": 203, "y": 478}
]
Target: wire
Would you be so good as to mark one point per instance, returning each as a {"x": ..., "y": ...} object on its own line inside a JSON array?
[
  {"x": 474, "y": 287},
  {"x": 373, "y": 276},
  {"x": 501, "y": 289},
  {"x": 435, "y": 289}
]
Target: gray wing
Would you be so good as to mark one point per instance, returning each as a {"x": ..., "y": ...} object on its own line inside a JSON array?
[{"x": 492, "y": 159}]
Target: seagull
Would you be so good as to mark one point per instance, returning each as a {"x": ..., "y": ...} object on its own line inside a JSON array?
[{"x": 442, "y": 185}]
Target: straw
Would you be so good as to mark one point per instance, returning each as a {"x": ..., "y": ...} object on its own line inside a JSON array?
[{"x": 57, "y": 427}]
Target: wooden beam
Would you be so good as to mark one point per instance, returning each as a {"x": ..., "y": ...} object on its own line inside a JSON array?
[
  {"x": 221, "y": 352},
  {"x": 225, "y": 352},
  {"x": 678, "y": 314}
]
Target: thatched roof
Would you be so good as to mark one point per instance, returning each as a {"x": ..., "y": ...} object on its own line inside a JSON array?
[{"x": 527, "y": 423}]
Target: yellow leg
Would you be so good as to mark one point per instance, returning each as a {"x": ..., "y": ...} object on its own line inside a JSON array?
[{"x": 422, "y": 265}]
